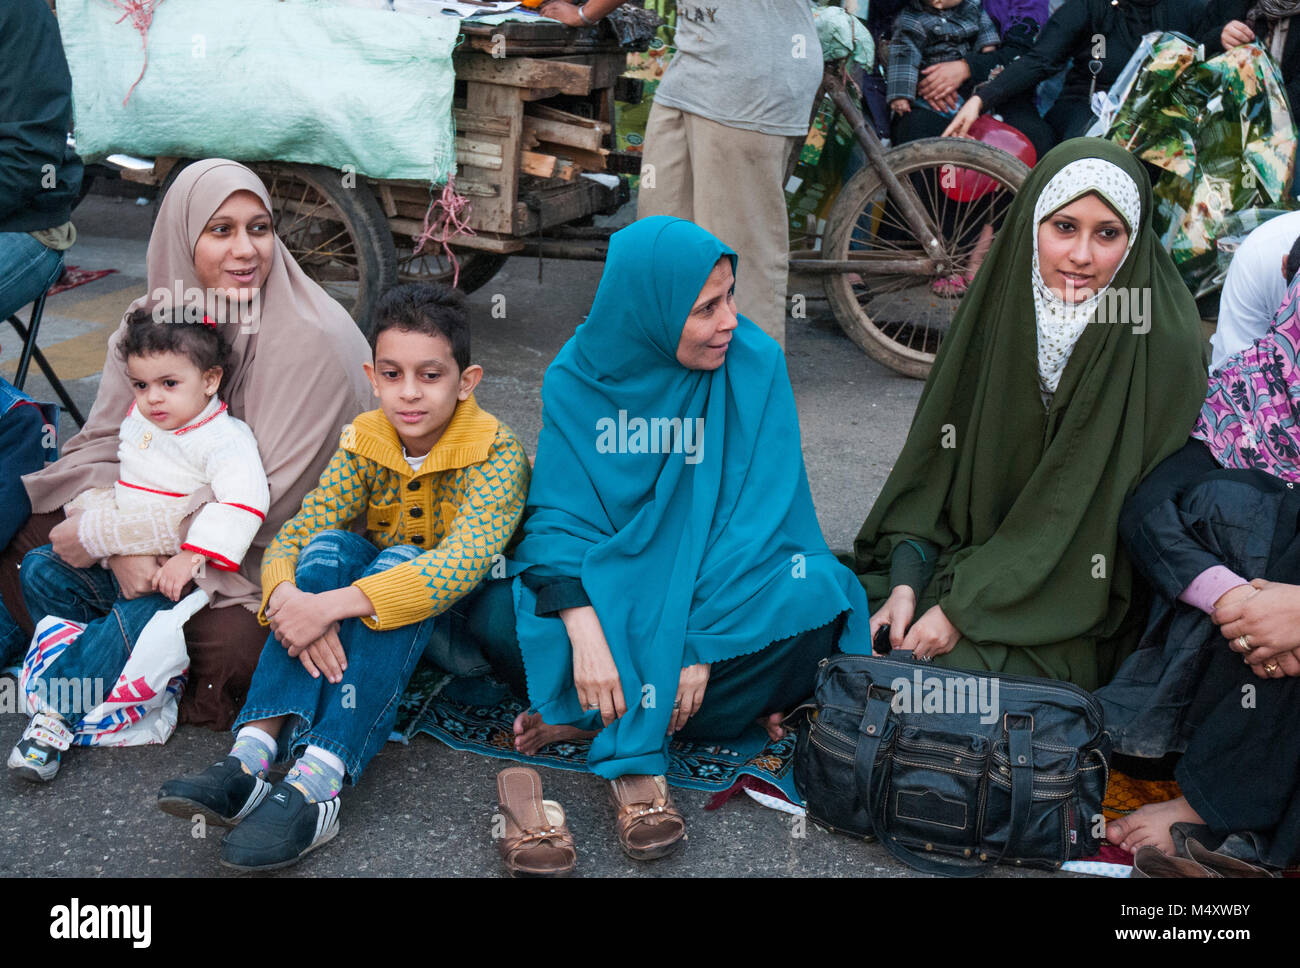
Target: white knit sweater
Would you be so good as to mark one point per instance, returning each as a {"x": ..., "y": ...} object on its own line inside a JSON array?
[{"x": 159, "y": 470}]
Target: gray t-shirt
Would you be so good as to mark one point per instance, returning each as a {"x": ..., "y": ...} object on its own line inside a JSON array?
[{"x": 753, "y": 64}]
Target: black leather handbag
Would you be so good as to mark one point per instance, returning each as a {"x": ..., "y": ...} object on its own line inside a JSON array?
[{"x": 954, "y": 771}]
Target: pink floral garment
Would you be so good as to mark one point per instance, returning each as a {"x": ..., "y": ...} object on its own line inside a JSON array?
[{"x": 1249, "y": 418}]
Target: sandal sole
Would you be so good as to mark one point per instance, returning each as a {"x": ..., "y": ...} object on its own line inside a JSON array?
[{"x": 653, "y": 853}]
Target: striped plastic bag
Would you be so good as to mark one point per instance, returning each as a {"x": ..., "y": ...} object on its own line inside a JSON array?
[{"x": 142, "y": 706}]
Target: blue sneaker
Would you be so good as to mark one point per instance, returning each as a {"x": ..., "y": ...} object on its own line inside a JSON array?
[
  {"x": 224, "y": 794},
  {"x": 281, "y": 830}
]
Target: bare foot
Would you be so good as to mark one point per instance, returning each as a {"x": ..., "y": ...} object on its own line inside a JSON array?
[
  {"x": 531, "y": 734},
  {"x": 1149, "y": 826},
  {"x": 981, "y": 249},
  {"x": 773, "y": 726}
]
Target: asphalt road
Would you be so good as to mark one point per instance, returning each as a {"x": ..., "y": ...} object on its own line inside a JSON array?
[{"x": 425, "y": 809}]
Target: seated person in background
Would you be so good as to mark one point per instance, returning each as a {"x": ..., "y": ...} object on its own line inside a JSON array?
[
  {"x": 929, "y": 32},
  {"x": 21, "y": 452},
  {"x": 40, "y": 175},
  {"x": 1254, "y": 288},
  {"x": 440, "y": 485},
  {"x": 177, "y": 438},
  {"x": 1095, "y": 39},
  {"x": 1270, "y": 23}
]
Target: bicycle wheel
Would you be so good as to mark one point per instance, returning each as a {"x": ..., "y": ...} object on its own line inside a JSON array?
[
  {"x": 339, "y": 236},
  {"x": 432, "y": 265},
  {"x": 898, "y": 306}
]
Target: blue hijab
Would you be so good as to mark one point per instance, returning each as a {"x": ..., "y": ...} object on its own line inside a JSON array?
[{"x": 692, "y": 548}]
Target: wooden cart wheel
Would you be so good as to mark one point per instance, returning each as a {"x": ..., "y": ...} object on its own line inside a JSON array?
[
  {"x": 892, "y": 310},
  {"x": 338, "y": 235},
  {"x": 432, "y": 265}
]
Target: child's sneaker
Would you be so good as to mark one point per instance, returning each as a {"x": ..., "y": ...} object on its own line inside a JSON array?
[
  {"x": 283, "y": 828},
  {"x": 38, "y": 753},
  {"x": 223, "y": 794}
]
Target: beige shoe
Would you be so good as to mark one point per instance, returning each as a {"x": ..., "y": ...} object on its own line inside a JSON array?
[
  {"x": 536, "y": 841},
  {"x": 648, "y": 822}
]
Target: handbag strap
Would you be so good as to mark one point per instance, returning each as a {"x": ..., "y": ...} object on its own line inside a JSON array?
[{"x": 871, "y": 733}]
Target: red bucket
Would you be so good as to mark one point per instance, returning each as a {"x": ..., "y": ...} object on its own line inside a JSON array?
[{"x": 964, "y": 185}]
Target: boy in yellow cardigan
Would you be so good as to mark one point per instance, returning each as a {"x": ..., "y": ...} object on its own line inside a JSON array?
[{"x": 439, "y": 486}]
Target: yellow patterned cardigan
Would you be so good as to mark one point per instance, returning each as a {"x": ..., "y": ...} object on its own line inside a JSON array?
[{"x": 463, "y": 505}]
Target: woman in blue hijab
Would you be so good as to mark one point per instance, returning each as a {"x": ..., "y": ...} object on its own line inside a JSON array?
[{"x": 674, "y": 577}]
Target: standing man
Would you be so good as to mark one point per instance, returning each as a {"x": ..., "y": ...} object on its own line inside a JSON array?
[{"x": 733, "y": 104}]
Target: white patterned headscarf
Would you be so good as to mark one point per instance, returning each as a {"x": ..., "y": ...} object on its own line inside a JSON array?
[{"x": 1060, "y": 323}]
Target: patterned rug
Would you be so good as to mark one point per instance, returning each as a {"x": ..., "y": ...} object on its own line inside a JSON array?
[
  {"x": 74, "y": 276},
  {"x": 478, "y": 715}
]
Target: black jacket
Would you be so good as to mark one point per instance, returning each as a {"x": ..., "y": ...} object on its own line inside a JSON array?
[
  {"x": 1079, "y": 30},
  {"x": 1190, "y": 514},
  {"x": 1220, "y": 12},
  {"x": 40, "y": 176}
]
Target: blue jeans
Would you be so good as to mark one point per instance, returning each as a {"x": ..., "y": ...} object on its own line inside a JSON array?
[
  {"x": 351, "y": 718},
  {"x": 53, "y": 587},
  {"x": 27, "y": 269}
]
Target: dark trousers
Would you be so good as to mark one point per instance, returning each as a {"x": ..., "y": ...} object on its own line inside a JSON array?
[
  {"x": 1241, "y": 771},
  {"x": 739, "y": 691},
  {"x": 223, "y": 643}
]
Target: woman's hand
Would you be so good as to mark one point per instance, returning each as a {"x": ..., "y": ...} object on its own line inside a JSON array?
[
  {"x": 690, "y": 694},
  {"x": 932, "y": 635},
  {"x": 1235, "y": 33},
  {"x": 939, "y": 83},
  {"x": 897, "y": 613},
  {"x": 173, "y": 576},
  {"x": 134, "y": 573},
  {"x": 299, "y": 619},
  {"x": 968, "y": 115},
  {"x": 565, "y": 13},
  {"x": 595, "y": 675},
  {"x": 63, "y": 536},
  {"x": 1264, "y": 628}
]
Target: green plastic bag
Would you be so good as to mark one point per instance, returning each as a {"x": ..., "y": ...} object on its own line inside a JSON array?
[{"x": 259, "y": 80}]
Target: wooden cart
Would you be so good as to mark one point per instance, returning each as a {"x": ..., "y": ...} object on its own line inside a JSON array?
[{"x": 534, "y": 111}]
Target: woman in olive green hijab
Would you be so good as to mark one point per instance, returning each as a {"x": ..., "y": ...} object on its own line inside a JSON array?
[{"x": 1073, "y": 367}]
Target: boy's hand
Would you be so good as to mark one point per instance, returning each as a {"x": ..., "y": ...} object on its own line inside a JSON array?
[
  {"x": 324, "y": 655},
  {"x": 298, "y": 620},
  {"x": 900, "y": 105},
  {"x": 173, "y": 576}
]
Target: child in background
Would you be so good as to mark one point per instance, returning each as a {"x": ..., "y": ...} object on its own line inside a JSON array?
[
  {"x": 439, "y": 485},
  {"x": 928, "y": 32},
  {"x": 177, "y": 437}
]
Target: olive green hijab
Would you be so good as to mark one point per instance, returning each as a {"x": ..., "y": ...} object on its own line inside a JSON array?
[{"x": 1023, "y": 500}]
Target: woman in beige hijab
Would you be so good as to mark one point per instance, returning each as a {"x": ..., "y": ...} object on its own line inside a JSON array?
[{"x": 295, "y": 378}]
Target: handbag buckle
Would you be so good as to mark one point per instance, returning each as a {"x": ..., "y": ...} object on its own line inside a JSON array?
[
  {"x": 883, "y": 693},
  {"x": 1029, "y": 716}
]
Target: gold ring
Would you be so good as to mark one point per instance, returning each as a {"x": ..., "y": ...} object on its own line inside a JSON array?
[{"x": 1271, "y": 668}]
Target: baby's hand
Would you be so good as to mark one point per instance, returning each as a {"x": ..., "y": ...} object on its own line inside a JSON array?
[
  {"x": 900, "y": 105},
  {"x": 173, "y": 576}
]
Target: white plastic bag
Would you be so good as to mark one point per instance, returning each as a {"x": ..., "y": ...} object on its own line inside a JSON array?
[{"x": 141, "y": 708}]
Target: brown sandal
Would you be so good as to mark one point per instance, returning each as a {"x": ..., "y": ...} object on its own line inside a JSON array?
[
  {"x": 536, "y": 841},
  {"x": 648, "y": 823}
]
